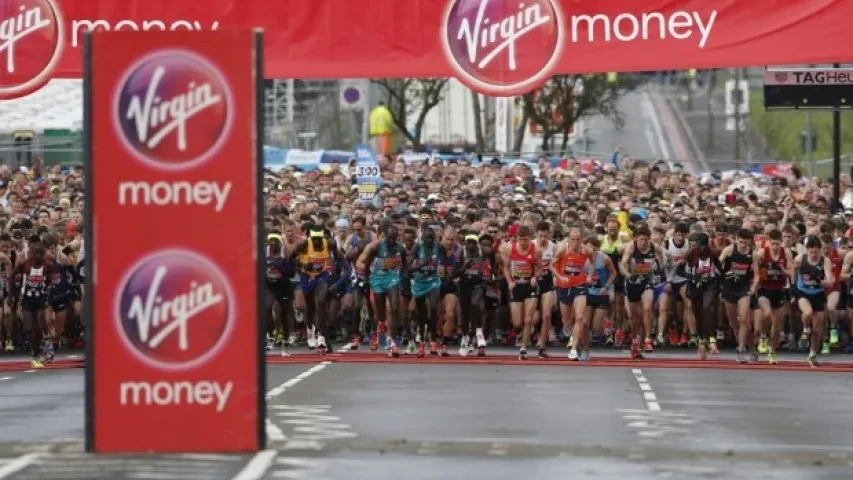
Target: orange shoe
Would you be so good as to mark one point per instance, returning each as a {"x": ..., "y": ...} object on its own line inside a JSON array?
[
  {"x": 647, "y": 346},
  {"x": 673, "y": 337},
  {"x": 374, "y": 342}
]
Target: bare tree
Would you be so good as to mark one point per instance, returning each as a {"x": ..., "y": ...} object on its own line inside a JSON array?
[
  {"x": 564, "y": 99},
  {"x": 411, "y": 98}
]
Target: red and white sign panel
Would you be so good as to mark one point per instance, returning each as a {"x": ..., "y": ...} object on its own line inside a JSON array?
[
  {"x": 496, "y": 46},
  {"x": 174, "y": 214}
]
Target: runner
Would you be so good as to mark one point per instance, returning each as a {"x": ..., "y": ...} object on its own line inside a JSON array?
[
  {"x": 703, "y": 269},
  {"x": 314, "y": 255},
  {"x": 60, "y": 292},
  {"x": 387, "y": 265},
  {"x": 571, "y": 269},
  {"x": 279, "y": 296},
  {"x": 447, "y": 263},
  {"x": 598, "y": 291},
  {"x": 613, "y": 246},
  {"x": 426, "y": 291},
  {"x": 547, "y": 291},
  {"x": 641, "y": 265},
  {"x": 31, "y": 278},
  {"x": 354, "y": 247},
  {"x": 773, "y": 264},
  {"x": 738, "y": 289},
  {"x": 812, "y": 274},
  {"x": 675, "y": 253},
  {"x": 521, "y": 262},
  {"x": 476, "y": 273}
]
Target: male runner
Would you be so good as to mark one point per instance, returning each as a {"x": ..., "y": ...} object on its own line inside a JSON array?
[
  {"x": 476, "y": 272},
  {"x": 773, "y": 264},
  {"x": 60, "y": 293},
  {"x": 314, "y": 255},
  {"x": 602, "y": 276},
  {"x": 812, "y": 274},
  {"x": 354, "y": 246},
  {"x": 31, "y": 278},
  {"x": 426, "y": 290},
  {"x": 571, "y": 270},
  {"x": 738, "y": 289},
  {"x": 385, "y": 263},
  {"x": 675, "y": 254},
  {"x": 641, "y": 265},
  {"x": 613, "y": 246},
  {"x": 279, "y": 293},
  {"x": 547, "y": 291},
  {"x": 521, "y": 262}
]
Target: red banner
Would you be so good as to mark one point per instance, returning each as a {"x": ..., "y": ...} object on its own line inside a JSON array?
[
  {"x": 173, "y": 222},
  {"x": 497, "y": 46}
]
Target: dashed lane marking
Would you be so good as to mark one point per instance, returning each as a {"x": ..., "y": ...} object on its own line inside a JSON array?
[
  {"x": 18, "y": 464},
  {"x": 257, "y": 466},
  {"x": 295, "y": 380},
  {"x": 648, "y": 394}
]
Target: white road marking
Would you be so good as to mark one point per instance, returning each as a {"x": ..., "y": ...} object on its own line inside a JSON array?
[
  {"x": 293, "y": 381},
  {"x": 5, "y": 378},
  {"x": 498, "y": 449},
  {"x": 29, "y": 371},
  {"x": 18, "y": 464},
  {"x": 257, "y": 466},
  {"x": 652, "y": 115},
  {"x": 274, "y": 432},
  {"x": 648, "y": 394}
]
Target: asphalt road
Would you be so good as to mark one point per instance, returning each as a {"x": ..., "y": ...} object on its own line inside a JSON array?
[
  {"x": 382, "y": 421},
  {"x": 649, "y": 131}
]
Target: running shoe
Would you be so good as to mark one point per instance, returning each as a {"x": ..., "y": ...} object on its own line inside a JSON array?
[
  {"x": 659, "y": 340},
  {"x": 804, "y": 339},
  {"x": 721, "y": 335},
  {"x": 543, "y": 353},
  {"x": 285, "y": 349},
  {"x": 813, "y": 360},
  {"x": 312, "y": 338},
  {"x": 771, "y": 358},
  {"x": 584, "y": 356},
  {"x": 692, "y": 342},
  {"x": 270, "y": 342},
  {"x": 374, "y": 342},
  {"x": 463, "y": 346},
  {"x": 355, "y": 341},
  {"x": 573, "y": 355},
  {"x": 10, "y": 347},
  {"x": 647, "y": 346},
  {"x": 443, "y": 350},
  {"x": 393, "y": 350},
  {"x": 702, "y": 351},
  {"x": 833, "y": 337},
  {"x": 635, "y": 350},
  {"x": 322, "y": 349},
  {"x": 36, "y": 363},
  {"x": 619, "y": 340},
  {"x": 741, "y": 356},
  {"x": 825, "y": 349},
  {"x": 762, "y": 344},
  {"x": 674, "y": 338},
  {"x": 481, "y": 344},
  {"x": 522, "y": 354},
  {"x": 411, "y": 346},
  {"x": 714, "y": 349}
]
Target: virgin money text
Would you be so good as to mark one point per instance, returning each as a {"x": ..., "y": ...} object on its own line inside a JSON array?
[
  {"x": 165, "y": 194},
  {"x": 628, "y": 27},
  {"x": 166, "y": 394}
]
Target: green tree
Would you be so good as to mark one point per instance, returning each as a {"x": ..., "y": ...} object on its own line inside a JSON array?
[{"x": 411, "y": 98}]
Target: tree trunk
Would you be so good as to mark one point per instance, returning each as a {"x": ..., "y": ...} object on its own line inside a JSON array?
[
  {"x": 564, "y": 146},
  {"x": 546, "y": 142},
  {"x": 519, "y": 132},
  {"x": 478, "y": 121}
]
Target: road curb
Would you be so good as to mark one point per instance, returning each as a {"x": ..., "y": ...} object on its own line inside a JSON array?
[
  {"x": 561, "y": 362},
  {"x": 20, "y": 366}
]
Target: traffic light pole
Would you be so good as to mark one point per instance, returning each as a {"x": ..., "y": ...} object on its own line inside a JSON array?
[{"x": 836, "y": 157}]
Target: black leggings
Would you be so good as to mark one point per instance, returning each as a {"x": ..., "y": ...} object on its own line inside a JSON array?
[{"x": 472, "y": 302}]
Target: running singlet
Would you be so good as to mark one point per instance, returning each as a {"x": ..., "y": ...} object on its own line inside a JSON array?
[
  {"x": 427, "y": 263},
  {"x": 476, "y": 270},
  {"x": 810, "y": 277},
  {"x": 277, "y": 274},
  {"x": 547, "y": 256},
  {"x": 522, "y": 265},
  {"x": 772, "y": 274},
  {"x": 314, "y": 262},
  {"x": 573, "y": 266},
  {"x": 60, "y": 282},
  {"x": 34, "y": 287},
  {"x": 447, "y": 264},
  {"x": 600, "y": 275},
  {"x": 737, "y": 271},
  {"x": 677, "y": 255},
  {"x": 611, "y": 248},
  {"x": 703, "y": 272},
  {"x": 645, "y": 267},
  {"x": 388, "y": 260}
]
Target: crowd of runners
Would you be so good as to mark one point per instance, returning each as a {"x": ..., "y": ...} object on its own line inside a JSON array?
[
  {"x": 463, "y": 256},
  {"x": 537, "y": 255}
]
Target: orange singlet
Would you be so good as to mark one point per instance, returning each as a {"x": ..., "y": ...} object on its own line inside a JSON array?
[{"x": 573, "y": 266}]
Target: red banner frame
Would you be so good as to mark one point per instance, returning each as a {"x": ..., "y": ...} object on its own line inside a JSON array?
[
  {"x": 174, "y": 337},
  {"x": 314, "y": 39}
]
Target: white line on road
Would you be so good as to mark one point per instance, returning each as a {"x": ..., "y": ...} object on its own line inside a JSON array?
[
  {"x": 652, "y": 114},
  {"x": 274, "y": 432},
  {"x": 648, "y": 395},
  {"x": 257, "y": 466},
  {"x": 5, "y": 378},
  {"x": 18, "y": 464},
  {"x": 293, "y": 381}
]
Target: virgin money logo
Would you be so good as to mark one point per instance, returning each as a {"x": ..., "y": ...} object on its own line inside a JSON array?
[
  {"x": 175, "y": 309},
  {"x": 173, "y": 109},
  {"x": 31, "y": 41},
  {"x": 502, "y": 47}
]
